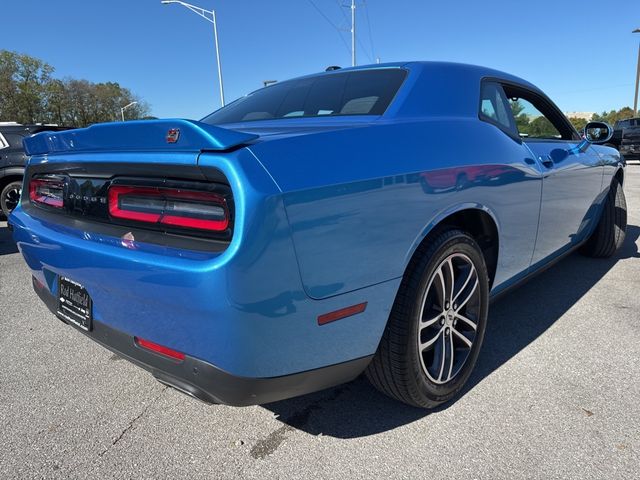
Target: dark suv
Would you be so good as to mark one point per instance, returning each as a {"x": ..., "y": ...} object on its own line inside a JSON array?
[
  {"x": 13, "y": 159},
  {"x": 619, "y": 127},
  {"x": 630, "y": 139}
]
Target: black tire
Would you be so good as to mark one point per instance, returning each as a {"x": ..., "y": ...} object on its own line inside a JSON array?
[
  {"x": 8, "y": 198},
  {"x": 612, "y": 226},
  {"x": 397, "y": 368}
]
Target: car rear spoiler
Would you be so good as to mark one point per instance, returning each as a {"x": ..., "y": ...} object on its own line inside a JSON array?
[{"x": 138, "y": 135}]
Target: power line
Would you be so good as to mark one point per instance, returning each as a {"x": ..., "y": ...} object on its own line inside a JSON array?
[
  {"x": 351, "y": 20},
  {"x": 330, "y": 23},
  {"x": 344, "y": 15},
  {"x": 366, "y": 9},
  {"x": 354, "y": 39}
]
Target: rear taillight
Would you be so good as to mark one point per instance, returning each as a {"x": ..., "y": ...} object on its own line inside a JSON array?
[
  {"x": 168, "y": 206},
  {"x": 49, "y": 192}
]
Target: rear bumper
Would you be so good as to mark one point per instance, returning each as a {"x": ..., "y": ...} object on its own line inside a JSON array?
[
  {"x": 243, "y": 311},
  {"x": 205, "y": 381}
]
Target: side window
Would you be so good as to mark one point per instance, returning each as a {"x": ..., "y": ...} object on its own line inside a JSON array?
[
  {"x": 14, "y": 140},
  {"x": 536, "y": 117},
  {"x": 494, "y": 107},
  {"x": 3, "y": 142}
]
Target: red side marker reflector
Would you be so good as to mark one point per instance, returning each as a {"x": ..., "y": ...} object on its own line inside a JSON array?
[
  {"x": 162, "y": 350},
  {"x": 342, "y": 313}
]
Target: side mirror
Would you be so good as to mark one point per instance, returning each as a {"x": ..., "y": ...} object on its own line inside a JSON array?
[{"x": 598, "y": 132}]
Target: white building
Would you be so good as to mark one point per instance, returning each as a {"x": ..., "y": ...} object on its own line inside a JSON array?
[{"x": 584, "y": 115}]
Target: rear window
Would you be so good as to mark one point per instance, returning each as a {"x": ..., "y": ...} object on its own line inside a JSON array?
[{"x": 367, "y": 92}]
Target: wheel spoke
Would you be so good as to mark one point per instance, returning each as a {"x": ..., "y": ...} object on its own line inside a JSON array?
[
  {"x": 462, "y": 337},
  {"x": 443, "y": 355},
  {"x": 468, "y": 297},
  {"x": 429, "y": 343},
  {"x": 451, "y": 355},
  {"x": 466, "y": 320},
  {"x": 427, "y": 323},
  {"x": 472, "y": 271},
  {"x": 443, "y": 289},
  {"x": 452, "y": 277}
]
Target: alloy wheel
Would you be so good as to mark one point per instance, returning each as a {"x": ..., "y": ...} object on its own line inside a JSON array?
[
  {"x": 449, "y": 318},
  {"x": 12, "y": 197}
]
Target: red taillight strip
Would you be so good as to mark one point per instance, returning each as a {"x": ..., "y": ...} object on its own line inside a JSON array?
[
  {"x": 342, "y": 313},
  {"x": 37, "y": 197},
  {"x": 161, "y": 349},
  {"x": 217, "y": 225},
  {"x": 115, "y": 210}
]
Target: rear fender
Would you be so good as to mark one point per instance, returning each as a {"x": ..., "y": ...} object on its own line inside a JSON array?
[{"x": 440, "y": 217}]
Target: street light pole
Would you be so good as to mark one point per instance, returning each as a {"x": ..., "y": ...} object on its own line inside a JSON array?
[
  {"x": 203, "y": 13},
  {"x": 635, "y": 99},
  {"x": 125, "y": 107},
  {"x": 353, "y": 33},
  {"x": 215, "y": 36}
]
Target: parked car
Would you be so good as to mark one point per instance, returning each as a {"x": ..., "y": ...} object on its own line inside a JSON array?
[
  {"x": 618, "y": 128},
  {"x": 286, "y": 243},
  {"x": 630, "y": 141},
  {"x": 12, "y": 161}
]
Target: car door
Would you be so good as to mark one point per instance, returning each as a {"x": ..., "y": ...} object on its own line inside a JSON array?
[
  {"x": 520, "y": 179},
  {"x": 572, "y": 171}
]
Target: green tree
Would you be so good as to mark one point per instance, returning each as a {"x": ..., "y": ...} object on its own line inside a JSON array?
[
  {"x": 613, "y": 116},
  {"x": 578, "y": 123},
  {"x": 28, "y": 94},
  {"x": 522, "y": 119},
  {"x": 540, "y": 127},
  {"x": 23, "y": 85}
]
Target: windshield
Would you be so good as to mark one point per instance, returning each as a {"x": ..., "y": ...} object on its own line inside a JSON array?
[{"x": 363, "y": 92}]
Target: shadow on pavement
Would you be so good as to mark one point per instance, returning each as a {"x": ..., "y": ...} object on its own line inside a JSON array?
[
  {"x": 7, "y": 245},
  {"x": 357, "y": 409}
]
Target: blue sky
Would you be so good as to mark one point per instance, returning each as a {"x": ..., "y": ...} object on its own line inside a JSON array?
[{"x": 582, "y": 54}]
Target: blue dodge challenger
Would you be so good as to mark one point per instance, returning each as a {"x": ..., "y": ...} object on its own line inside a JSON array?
[{"x": 357, "y": 220}]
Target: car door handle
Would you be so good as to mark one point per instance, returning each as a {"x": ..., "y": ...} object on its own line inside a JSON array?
[{"x": 546, "y": 160}]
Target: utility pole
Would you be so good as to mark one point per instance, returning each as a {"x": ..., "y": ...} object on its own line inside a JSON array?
[
  {"x": 353, "y": 33},
  {"x": 635, "y": 99}
]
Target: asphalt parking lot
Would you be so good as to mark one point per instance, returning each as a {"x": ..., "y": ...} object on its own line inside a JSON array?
[{"x": 556, "y": 394}]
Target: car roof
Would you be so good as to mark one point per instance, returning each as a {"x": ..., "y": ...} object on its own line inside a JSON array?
[
  {"x": 425, "y": 65},
  {"x": 435, "y": 88}
]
